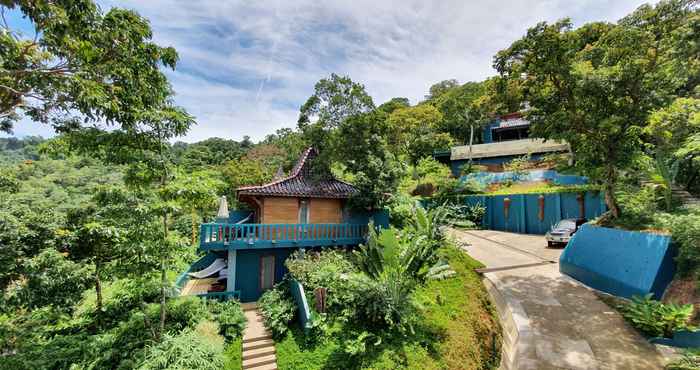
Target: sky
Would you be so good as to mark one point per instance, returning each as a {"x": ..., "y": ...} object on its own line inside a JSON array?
[{"x": 247, "y": 66}]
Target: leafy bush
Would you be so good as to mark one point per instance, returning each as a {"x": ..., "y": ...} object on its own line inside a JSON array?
[
  {"x": 655, "y": 318},
  {"x": 686, "y": 232},
  {"x": 230, "y": 317},
  {"x": 191, "y": 349},
  {"x": 401, "y": 208},
  {"x": 689, "y": 361},
  {"x": 278, "y": 309},
  {"x": 330, "y": 269}
]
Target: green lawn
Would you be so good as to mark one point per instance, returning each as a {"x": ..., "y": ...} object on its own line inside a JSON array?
[{"x": 459, "y": 331}]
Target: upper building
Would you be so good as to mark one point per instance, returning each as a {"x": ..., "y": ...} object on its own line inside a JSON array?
[{"x": 507, "y": 137}]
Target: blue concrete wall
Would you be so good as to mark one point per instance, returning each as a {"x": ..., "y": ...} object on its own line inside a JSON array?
[
  {"x": 523, "y": 215},
  {"x": 487, "y": 132},
  {"x": 552, "y": 176},
  {"x": 619, "y": 262},
  {"x": 379, "y": 217},
  {"x": 248, "y": 270},
  {"x": 456, "y": 165}
]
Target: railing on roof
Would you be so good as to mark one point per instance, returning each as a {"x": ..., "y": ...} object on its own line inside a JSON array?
[{"x": 244, "y": 236}]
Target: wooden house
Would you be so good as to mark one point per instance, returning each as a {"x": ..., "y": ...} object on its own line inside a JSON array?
[{"x": 294, "y": 212}]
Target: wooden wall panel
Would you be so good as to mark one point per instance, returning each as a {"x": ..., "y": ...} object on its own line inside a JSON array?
[
  {"x": 278, "y": 210},
  {"x": 325, "y": 211}
]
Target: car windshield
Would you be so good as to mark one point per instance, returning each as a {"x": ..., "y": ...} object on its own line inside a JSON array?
[{"x": 566, "y": 224}]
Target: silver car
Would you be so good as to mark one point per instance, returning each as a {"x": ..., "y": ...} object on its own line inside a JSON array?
[{"x": 561, "y": 233}]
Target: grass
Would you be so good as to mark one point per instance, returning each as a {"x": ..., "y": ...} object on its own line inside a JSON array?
[
  {"x": 459, "y": 331},
  {"x": 232, "y": 355}
]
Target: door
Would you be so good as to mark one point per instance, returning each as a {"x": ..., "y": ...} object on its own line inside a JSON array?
[{"x": 267, "y": 272}]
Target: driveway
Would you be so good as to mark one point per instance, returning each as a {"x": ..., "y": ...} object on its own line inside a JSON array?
[{"x": 549, "y": 320}]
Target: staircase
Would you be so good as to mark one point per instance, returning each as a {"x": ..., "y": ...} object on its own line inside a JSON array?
[
  {"x": 258, "y": 346},
  {"x": 686, "y": 199}
]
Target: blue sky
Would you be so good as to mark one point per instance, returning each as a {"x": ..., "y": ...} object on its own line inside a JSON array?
[{"x": 246, "y": 66}]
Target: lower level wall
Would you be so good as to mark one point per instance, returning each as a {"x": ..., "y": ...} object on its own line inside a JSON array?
[
  {"x": 248, "y": 270},
  {"x": 536, "y": 213}
]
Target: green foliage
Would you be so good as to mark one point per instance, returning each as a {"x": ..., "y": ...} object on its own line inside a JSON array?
[
  {"x": 49, "y": 279},
  {"x": 278, "y": 309},
  {"x": 689, "y": 361},
  {"x": 686, "y": 232},
  {"x": 401, "y": 208},
  {"x": 230, "y": 318},
  {"x": 233, "y": 358},
  {"x": 453, "y": 329},
  {"x": 363, "y": 150},
  {"x": 330, "y": 269},
  {"x": 595, "y": 86},
  {"x": 655, "y": 318},
  {"x": 190, "y": 349},
  {"x": 76, "y": 66}
]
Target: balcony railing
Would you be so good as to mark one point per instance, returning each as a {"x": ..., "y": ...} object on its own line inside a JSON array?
[{"x": 244, "y": 236}]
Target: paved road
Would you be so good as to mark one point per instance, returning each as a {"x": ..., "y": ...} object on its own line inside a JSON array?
[{"x": 551, "y": 321}]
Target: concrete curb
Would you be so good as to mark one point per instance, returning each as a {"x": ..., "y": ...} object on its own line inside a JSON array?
[{"x": 514, "y": 324}]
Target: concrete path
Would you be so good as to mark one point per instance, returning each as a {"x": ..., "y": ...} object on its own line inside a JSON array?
[
  {"x": 549, "y": 320},
  {"x": 258, "y": 350}
]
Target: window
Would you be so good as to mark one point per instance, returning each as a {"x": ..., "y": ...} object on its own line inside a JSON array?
[{"x": 304, "y": 211}]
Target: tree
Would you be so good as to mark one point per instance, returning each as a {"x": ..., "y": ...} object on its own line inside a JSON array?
[
  {"x": 414, "y": 132},
  {"x": 334, "y": 99},
  {"x": 196, "y": 192},
  {"x": 79, "y": 60},
  {"x": 675, "y": 132},
  {"x": 363, "y": 151},
  {"x": 440, "y": 88},
  {"x": 595, "y": 86},
  {"x": 98, "y": 244}
]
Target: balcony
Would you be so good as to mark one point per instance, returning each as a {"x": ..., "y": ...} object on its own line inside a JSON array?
[{"x": 219, "y": 236}]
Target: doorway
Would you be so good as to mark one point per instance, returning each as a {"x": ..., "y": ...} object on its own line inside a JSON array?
[{"x": 267, "y": 272}]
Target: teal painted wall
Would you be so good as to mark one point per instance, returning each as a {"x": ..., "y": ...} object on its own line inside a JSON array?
[
  {"x": 620, "y": 262},
  {"x": 523, "y": 214},
  {"x": 248, "y": 270}
]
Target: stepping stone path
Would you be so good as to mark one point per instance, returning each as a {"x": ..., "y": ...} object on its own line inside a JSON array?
[{"x": 258, "y": 346}]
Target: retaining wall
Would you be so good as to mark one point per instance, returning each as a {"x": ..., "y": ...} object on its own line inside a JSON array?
[
  {"x": 536, "y": 213},
  {"x": 620, "y": 262}
]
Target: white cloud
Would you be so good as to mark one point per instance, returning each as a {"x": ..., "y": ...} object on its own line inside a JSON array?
[{"x": 246, "y": 66}]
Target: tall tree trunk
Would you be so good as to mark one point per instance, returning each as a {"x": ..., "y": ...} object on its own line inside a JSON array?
[
  {"x": 194, "y": 228},
  {"x": 163, "y": 278},
  {"x": 610, "y": 199},
  {"x": 98, "y": 293}
]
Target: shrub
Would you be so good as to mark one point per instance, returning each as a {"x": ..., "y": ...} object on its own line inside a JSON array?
[
  {"x": 655, "y": 318},
  {"x": 191, "y": 349},
  {"x": 278, "y": 309},
  {"x": 328, "y": 269},
  {"x": 686, "y": 232},
  {"x": 230, "y": 317},
  {"x": 689, "y": 361},
  {"x": 401, "y": 208}
]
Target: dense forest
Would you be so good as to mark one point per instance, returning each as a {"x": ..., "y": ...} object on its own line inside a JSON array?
[{"x": 96, "y": 222}]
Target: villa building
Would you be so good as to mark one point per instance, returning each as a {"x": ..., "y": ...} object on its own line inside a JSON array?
[{"x": 246, "y": 249}]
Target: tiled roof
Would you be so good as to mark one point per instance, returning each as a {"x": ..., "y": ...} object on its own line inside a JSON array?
[{"x": 300, "y": 184}]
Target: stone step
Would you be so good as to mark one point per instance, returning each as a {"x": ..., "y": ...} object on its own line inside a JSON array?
[
  {"x": 256, "y": 363},
  {"x": 258, "y": 352},
  {"x": 257, "y": 338},
  {"x": 258, "y": 344}
]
